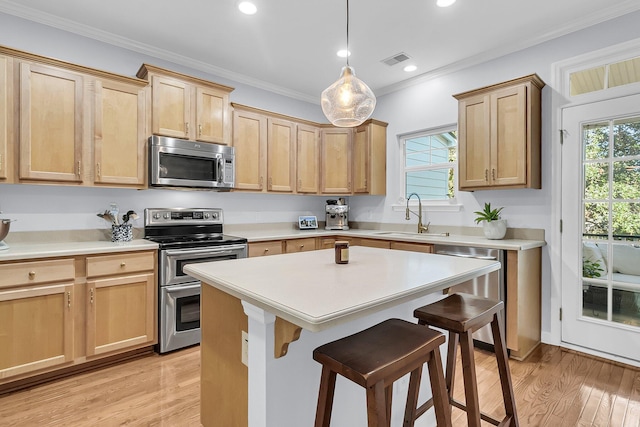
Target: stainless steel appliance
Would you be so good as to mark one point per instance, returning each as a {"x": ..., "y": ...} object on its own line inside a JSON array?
[
  {"x": 182, "y": 163},
  {"x": 489, "y": 286},
  {"x": 185, "y": 236},
  {"x": 337, "y": 216}
]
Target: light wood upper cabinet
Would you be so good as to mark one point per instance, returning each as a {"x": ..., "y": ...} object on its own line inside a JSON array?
[
  {"x": 335, "y": 160},
  {"x": 119, "y": 133},
  {"x": 51, "y": 123},
  {"x": 281, "y": 155},
  {"x": 6, "y": 118},
  {"x": 499, "y": 139},
  {"x": 308, "y": 159},
  {"x": 187, "y": 107},
  {"x": 370, "y": 158},
  {"x": 250, "y": 143}
]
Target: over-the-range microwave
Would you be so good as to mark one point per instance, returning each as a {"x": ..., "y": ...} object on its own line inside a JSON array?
[{"x": 177, "y": 162}]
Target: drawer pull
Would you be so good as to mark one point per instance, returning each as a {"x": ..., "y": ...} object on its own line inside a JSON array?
[
  {"x": 266, "y": 250},
  {"x": 32, "y": 274},
  {"x": 301, "y": 246},
  {"x": 69, "y": 299},
  {"x": 91, "y": 295},
  {"x": 123, "y": 264}
]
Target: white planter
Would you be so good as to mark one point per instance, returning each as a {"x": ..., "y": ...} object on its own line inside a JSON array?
[{"x": 495, "y": 230}]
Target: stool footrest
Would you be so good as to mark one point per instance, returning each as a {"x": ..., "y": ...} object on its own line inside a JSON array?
[
  {"x": 424, "y": 407},
  {"x": 483, "y": 416}
]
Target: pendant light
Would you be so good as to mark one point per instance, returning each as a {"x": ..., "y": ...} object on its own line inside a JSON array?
[{"x": 349, "y": 101}]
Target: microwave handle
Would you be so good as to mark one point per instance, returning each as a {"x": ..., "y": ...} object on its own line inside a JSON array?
[{"x": 220, "y": 170}]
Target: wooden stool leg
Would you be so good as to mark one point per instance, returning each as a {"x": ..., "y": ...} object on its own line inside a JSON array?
[
  {"x": 388, "y": 398},
  {"x": 505, "y": 373},
  {"x": 452, "y": 354},
  {"x": 325, "y": 397},
  {"x": 412, "y": 397},
  {"x": 377, "y": 406},
  {"x": 469, "y": 375},
  {"x": 438, "y": 390}
]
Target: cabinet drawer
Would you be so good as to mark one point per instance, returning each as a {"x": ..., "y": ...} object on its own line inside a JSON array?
[
  {"x": 106, "y": 265},
  {"x": 300, "y": 245},
  {"x": 28, "y": 273},
  {"x": 265, "y": 248}
]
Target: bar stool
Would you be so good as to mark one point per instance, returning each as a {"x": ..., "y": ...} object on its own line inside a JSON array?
[
  {"x": 461, "y": 315},
  {"x": 376, "y": 357}
]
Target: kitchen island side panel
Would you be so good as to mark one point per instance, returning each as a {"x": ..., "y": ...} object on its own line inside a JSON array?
[{"x": 224, "y": 378}]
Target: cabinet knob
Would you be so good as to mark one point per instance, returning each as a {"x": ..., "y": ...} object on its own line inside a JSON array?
[
  {"x": 32, "y": 274},
  {"x": 186, "y": 128},
  {"x": 123, "y": 264},
  {"x": 199, "y": 130},
  {"x": 266, "y": 250},
  {"x": 301, "y": 246}
]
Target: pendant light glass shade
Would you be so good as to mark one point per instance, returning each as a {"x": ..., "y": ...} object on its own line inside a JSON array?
[{"x": 349, "y": 101}]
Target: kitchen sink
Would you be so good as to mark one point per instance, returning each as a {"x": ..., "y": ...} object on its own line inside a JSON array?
[{"x": 410, "y": 233}]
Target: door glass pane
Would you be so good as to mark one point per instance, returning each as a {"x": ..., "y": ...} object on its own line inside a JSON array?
[
  {"x": 611, "y": 221},
  {"x": 596, "y": 141}
]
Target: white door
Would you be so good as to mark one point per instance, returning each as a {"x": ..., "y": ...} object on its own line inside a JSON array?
[{"x": 601, "y": 226}]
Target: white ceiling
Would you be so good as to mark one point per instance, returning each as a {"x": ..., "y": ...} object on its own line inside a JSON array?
[{"x": 290, "y": 46}]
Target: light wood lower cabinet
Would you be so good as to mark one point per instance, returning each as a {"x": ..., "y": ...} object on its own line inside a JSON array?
[
  {"x": 414, "y": 247},
  {"x": 63, "y": 312},
  {"x": 36, "y": 328},
  {"x": 372, "y": 243}
]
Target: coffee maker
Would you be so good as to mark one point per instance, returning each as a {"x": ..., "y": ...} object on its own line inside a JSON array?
[{"x": 337, "y": 215}]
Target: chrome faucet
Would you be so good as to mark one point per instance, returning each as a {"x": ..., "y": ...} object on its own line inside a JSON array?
[{"x": 421, "y": 228}]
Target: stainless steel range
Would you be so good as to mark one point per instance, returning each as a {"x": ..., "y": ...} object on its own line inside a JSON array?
[{"x": 185, "y": 236}]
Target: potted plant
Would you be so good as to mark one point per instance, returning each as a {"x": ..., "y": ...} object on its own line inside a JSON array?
[{"x": 493, "y": 226}]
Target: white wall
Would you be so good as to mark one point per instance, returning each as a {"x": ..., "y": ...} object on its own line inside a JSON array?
[{"x": 425, "y": 105}]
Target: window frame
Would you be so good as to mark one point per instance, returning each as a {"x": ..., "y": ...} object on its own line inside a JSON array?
[{"x": 451, "y": 204}]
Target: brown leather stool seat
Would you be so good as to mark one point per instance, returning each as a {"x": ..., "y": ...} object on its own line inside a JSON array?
[
  {"x": 376, "y": 357},
  {"x": 461, "y": 315}
]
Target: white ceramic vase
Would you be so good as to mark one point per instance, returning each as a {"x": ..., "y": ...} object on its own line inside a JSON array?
[{"x": 495, "y": 230}]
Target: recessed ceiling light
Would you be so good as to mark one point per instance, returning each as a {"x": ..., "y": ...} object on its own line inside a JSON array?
[
  {"x": 410, "y": 68},
  {"x": 445, "y": 3},
  {"x": 247, "y": 7},
  {"x": 343, "y": 53}
]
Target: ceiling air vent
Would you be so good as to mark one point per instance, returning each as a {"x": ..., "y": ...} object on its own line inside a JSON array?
[{"x": 396, "y": 59}]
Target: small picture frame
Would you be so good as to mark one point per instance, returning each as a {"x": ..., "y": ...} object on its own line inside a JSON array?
[{"x": 307, "y": 222}]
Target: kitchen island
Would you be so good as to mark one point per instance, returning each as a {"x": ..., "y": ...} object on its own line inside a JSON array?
[{"x": 276, "y": 300}]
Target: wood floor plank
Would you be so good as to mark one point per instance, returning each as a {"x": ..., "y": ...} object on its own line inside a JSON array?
[{"x": 553, "y": 387}]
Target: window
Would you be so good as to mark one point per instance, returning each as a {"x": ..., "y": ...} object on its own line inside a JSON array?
[{"x": 430, "y": 163}]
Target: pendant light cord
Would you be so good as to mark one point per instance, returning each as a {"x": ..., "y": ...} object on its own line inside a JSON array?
[{"x": 348, "y": 53}]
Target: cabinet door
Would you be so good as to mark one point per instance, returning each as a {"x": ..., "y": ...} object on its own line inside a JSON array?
[
  {"x": 171, "y": 107},
  {"x": 36, "y": 328},
  {"x": 51, "y": 123},
  {"x": 119, "y": 134},
  {"x": 213, "y": 120},
  {"x": 249, "y": 140},
  {"x": 281, "y": 155},
  {"x": 6, "y": 115},
  {"x": 474, "y": 142},
  {"x": 307, "y": 159},
  {"x": 509, "y": 136},
  {"x": 120, "y": 313},
  {"x": 361, "y": 159},
  {"x": 335, "y": 161}
]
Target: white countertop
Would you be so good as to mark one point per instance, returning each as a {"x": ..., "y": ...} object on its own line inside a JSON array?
[
  {"x": 310, "y": 290},
  {"x": 463, "y": 240},
  {"x": 32, "y": 250}
]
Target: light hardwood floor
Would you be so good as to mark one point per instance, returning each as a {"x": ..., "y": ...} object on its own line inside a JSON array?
[{"x": 553, "y": 387}]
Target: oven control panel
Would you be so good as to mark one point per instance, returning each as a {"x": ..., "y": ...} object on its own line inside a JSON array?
[{"x": 177, "y": 216}]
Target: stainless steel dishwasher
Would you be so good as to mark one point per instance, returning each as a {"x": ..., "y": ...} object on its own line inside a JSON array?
[{"x": 491, "y": 285}]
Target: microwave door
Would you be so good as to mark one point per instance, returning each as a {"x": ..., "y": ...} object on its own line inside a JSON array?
[{"x": 184, "y": 170}]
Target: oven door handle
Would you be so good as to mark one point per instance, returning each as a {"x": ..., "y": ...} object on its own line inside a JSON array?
[
  {"x": 212, "y": 251},
  {"x": 181, "y": 288}
]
